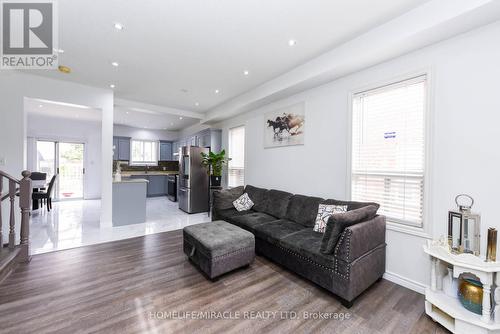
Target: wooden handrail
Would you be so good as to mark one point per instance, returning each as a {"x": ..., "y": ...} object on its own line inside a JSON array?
[
  {"x": 24, "y": 191},
  {"x": 11, "y": 177},
  {"x": 4, "y": 197}
]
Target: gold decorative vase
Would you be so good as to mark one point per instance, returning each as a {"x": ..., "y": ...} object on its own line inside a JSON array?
[
  {"x": 491, "y": 250},
  {"x": 470, "y": 294}
]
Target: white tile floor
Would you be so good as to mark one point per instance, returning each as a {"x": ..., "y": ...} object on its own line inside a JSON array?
[{"x": 76, "y": 223}]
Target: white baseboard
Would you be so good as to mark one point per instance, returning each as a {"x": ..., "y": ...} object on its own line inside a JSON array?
[{"x": 406, "y": 282}]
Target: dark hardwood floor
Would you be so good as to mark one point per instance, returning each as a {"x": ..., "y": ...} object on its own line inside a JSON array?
[{"x": 135, "y": 285}]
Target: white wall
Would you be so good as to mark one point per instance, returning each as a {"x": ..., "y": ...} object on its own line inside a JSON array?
[
  {"x": 149, "y": 134},
  {"x": 64, "y": 129},
  {"x": 465, "y": 118},
  {"x": 15, "y": 86}
]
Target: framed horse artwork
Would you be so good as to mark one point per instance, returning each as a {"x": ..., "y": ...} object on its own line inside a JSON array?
[{"x": 285, "y": 126}]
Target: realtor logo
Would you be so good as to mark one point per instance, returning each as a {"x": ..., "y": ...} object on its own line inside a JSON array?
[{"x": 28, "y": 32}]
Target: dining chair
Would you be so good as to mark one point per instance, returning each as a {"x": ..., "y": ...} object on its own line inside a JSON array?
[{"x": 45, "y": 195}]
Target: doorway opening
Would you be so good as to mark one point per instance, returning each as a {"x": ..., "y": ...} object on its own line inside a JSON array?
[{"x": 66, "y": 160}]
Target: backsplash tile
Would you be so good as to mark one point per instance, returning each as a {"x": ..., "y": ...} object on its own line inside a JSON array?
[{"x": 168, "y": 165}]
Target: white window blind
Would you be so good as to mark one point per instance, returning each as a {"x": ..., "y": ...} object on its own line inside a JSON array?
[
  {"x": 144, "y": 152},
  {"x": 236, "y": 170},
  {"x": 388, "y": 149}
]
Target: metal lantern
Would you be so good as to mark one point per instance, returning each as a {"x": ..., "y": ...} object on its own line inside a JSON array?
[{"x": 464, "y": 227}]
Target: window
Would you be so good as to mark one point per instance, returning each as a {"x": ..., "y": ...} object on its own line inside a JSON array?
[
  {"x": 236, "y": 170},
  {"x": 388, "y": 149},
  {"x": 144, "y": 152}
]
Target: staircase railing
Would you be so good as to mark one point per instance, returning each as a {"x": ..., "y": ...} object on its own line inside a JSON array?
[{"x": 23, "y": 189}]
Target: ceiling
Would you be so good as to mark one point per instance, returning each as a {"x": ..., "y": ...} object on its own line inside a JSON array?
[
  {"x": 176, "y": 53},
  {"x": 151, "y": 119},
  {"x": 61, "y": 110},
  {"x": 123, "y": 116}
]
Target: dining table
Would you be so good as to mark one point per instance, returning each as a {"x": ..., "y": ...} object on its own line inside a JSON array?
[{"x": 37, "y": 185}]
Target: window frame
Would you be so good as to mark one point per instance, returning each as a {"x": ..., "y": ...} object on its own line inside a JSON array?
[
  {"x": 229, "y": 152},
  {"x": 144, "y": 163},
  {"x": 425, "y": 231}
]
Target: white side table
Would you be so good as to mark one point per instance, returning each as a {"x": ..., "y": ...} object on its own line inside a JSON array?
[{"x": 448, "y": 311}]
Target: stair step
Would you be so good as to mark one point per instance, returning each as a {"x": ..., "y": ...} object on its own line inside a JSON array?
[{"x": 8, "y": 261}]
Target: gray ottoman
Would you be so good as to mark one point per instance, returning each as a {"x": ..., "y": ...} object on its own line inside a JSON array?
[{"x": 218, "y": 247}]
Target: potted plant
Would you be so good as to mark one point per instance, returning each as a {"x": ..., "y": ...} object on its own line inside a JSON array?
[{"x": 214, "y": 162}]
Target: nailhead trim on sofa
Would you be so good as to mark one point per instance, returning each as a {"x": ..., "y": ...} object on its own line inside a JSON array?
[
  {"x": 335, "y": 270},
  {"x": 347, "y": 232}
]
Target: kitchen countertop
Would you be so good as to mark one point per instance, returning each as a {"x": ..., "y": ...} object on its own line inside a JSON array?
[
  {"x": 152, "y": 172},
  {"x": 127, "y": 180}
]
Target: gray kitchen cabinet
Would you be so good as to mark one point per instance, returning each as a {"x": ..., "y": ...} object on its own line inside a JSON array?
[
  {"x": 193, "y": 141},
  {"x": 175, "y": 150},
  {"x": 165, "y": 151},
  {"x": 157, "y": 185},
  {"x": 206, "y": 138},
  {"x": 122, "y": 148},
  {"x": 115, "y": 148}
]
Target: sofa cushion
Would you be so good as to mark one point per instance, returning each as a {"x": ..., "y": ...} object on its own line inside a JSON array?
[
  {"x": 249, "y": 221},
  {"x": 227, "y": 214},
  {"x": 258, "y": 197},
  {"x": 338, "y": 222},
  {"x": 243, "y": 203},
  {"x": 223, "y": 199},
  {"x": 325, "y": 211},
  {"x": 276, "y": 230},
  {"x": 306, "y": 243},
  {"x": 303, "y": 209},
  {"x": 277, "y": 203},
  {"x": 351, "y": 205}
]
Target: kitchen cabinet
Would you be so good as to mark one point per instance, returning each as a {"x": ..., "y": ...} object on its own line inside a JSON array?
[
  {"x": 204, "y": 139},
  {"x": 211, "y": 138},
  {"x": 115, "y": 148},
  {"x": 175, "y": 151},
  {"x": 165, "y": 151},
  {"x": 157, "y": 185},
  {"x": 193, "y": 141},
  {"x": 122, "y": 148}
]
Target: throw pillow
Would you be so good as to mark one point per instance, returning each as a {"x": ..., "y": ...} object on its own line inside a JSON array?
[
  {"x": 324, "y": 212},
  {"x": 338, "y": 222},
  {"x": 243, "y": 203}
]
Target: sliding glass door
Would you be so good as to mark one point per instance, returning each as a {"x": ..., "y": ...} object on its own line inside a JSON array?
[{"x": 67, "y": 161}]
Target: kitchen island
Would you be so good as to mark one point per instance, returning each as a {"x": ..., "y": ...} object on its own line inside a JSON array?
[{"x": 129, "y": 201}]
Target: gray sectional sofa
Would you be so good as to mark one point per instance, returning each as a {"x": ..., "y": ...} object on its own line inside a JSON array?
[{"x": 282, "y": 224}]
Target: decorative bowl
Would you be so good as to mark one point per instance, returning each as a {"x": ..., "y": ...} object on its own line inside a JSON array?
[{"x": 470, "y": 294}]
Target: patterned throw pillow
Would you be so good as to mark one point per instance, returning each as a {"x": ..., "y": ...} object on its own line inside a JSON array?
[
  {"x": 243, "y": 203},
  {"x": 324, "y": 212}
]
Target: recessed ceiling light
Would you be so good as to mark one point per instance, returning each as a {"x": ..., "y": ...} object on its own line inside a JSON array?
[
  {"x": 217, "y": 91},
  {"x": 171, "y": 123},
  {"x": 119, "y": 26},
  {"x": 115, "y": 64},
  {"x": 292, "y": 42},
  {"x": 180, "y": 117},
  {"x": 196, "y": 103},
  {"x": 40, "y": 106},
  {"x": 112, "y": 86},
  {"x": 127, "y": 112},
  {"x": 246, "y": 72}
]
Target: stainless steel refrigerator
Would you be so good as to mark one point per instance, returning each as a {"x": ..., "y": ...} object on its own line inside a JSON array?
[{"x": 193, "y": 180}]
